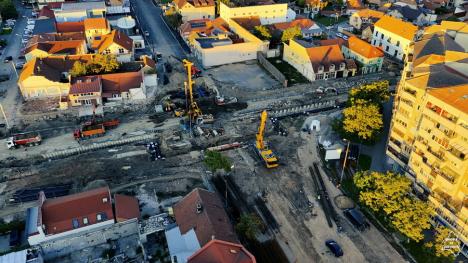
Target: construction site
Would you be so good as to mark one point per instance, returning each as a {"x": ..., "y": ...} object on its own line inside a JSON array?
[{"x": 156, "y": 153}]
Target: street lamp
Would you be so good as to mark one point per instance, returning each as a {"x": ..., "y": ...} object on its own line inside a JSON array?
[{"x": 345, "y": 159}]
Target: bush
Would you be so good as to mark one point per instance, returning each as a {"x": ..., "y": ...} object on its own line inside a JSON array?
[
  {"x": 215, "y": 160},
  {"x": 8, "y": 9}
]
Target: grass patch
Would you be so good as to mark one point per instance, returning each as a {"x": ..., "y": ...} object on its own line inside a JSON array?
[
  {"x": 329, "y": 21},
  {"x": 365, "y": 162},
  {"x": 293, "y": 76}
]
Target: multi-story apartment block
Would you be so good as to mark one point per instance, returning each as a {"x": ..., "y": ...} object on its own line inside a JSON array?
[{"x": 429, "y": 129}]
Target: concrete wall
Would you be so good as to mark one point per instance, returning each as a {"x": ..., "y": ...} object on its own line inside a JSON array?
[
  {"x": 221, "y": 55},
  {"x": 69, "y": 244},
  {"x": 40, "y": 87},
  {"x": 272, "y": 69}
]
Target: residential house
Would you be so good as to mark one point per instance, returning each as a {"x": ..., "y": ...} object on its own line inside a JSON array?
[
  {"x": 195, "y": 9},
  {"x": 368, "y": 57},
  {"x": 416, "y": 15},
  {"x": 127, "y": 86},
  {"x": 268, "y": 13},
  {"x": 116, "y": 43},
  {"x": 353, "y": 6},
  {"x": 364, "y": 17},
  {"x": 200, "y": 218},
  {"x": 118, "y": 7},
  {"x": 428, "y": 135},
  {"x": 48, "y": 76},
  {"x": 394, "y": 36},
  {"x": 308, "y": 27},
  {"x": 197, "y": 28},
  {"x": 94, "y": 27},
  {"x": 318, "y": 62},
  {"x": 236, "y": 45},
  {"x": 331, "y": 42},
  {"x": 367, "y": 33},
  {"x": 313, "y": 7},
  {"x": 78, "y": 11},
  {"x": 70, "y": 27},
  {"x": 50, "y": 37},
  {"x": 55, "y": 48},
  {"x": 222, "y": 251},
  {"x": 60, "y": 225},
  {"x": 86, "y": 90}
]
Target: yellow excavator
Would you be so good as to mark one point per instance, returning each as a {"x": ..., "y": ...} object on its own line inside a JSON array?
[
  {"x": 267, "y": 155},
  {"x": 192, "y": 109}
]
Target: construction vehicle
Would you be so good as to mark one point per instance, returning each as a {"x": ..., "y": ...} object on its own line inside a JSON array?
[
  {"x": 267, "y": 155},
  {"x": 94, "y": 128},
  {"x": 193, "y": 110},
  {"x": 24, "y": 139},
  {"x": 196, "y": 73}
]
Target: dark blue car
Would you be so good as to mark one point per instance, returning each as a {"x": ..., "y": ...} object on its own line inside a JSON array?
[{"x": 334, "y": 247}]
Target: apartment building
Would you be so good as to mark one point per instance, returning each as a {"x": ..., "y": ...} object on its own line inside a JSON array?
[
  {"x": 429, "y": 129},
  {"x": 267, "y": 13}
]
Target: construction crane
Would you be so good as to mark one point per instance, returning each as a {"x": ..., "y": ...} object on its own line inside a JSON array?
[
  {"x": 192, "y": 107},
  {"x": 267, "y": 155}
]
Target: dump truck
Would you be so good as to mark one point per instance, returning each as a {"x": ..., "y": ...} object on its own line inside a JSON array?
[
  {"x": 94, "y": 128},
  {"x": 24, "y": 139}
]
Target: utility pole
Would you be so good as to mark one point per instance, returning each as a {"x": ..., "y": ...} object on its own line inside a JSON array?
[
  {"x": 344, "y": 162},
  {"x": 4, "y": 116}
]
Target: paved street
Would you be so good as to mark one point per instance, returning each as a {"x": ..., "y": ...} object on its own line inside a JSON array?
[{"x": 149, "y": 16}]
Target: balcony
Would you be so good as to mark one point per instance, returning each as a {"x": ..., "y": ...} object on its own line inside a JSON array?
[
  {"x": 410, "y": 92},
  {"x": 438, "y": 155},
  {"x": 438, "y": 173}
]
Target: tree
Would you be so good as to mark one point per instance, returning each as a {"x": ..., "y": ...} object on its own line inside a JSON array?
[
  {"x": 291, "y": 33},
  {"x": 381, "y": 191},
  {"x": 249, "y": 225},
  {"x": 174, "y": 20},
  {"x": 215, "y": 160},
  {"x": 412, "y": 218},
  {"x": 78, "y": 69},
  {"x": 375, "y": 92},
  {"x": 262, "y": 32},
  {"x": 363, "y": 120},
  {"x": 8, "y": 9},
  {"x": 445, "y": 243}
]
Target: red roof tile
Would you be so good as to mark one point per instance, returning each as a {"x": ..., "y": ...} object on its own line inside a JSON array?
[
  {"x": 65, "y": 27},
  {"x": 303, "y": 23},
  {"x": 70, "y": 47},
  {"x": 120, "y": 82},
  {"x": 217, "y": 251},
  {"x": 329, "y": 42},
  {"x": 211, "y": 221},
  {"x": 363, "y": 48},
  {"x": 58, "y": 214},
  {"x": 85, "y": 84},
  {"x": 126, "y": 207},
  {"x": 96, "y": 23}
]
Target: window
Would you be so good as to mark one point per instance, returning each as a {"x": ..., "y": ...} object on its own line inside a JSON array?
[
  {"x": 107, "y": 51},
  {"x": 319, "y": 76},
  {"x": 381, "y": 36},
  {"x": 75, "y": 223},
  {"x": 373, "y": 43},
  {"x": 101, "y": 216},
  {"x": 121, "y": 50},
  {"x": 398, "y": 43},
  {"x": 387, "y": 48},
  {"x": 85, "y": 221}
]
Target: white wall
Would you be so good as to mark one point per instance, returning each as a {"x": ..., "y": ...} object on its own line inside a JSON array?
[{"x": 268, "y": 14}]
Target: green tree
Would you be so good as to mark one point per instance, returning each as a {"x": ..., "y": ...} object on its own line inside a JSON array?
[
  {"x": 375, "y": 92},
  {"x": 8, "y": 9},
  {"x": 78, "y": 69},
  {"x": 174, "y": 20},
  {"x": 215, "y": 160},
  {"x": 445, "y": 243},
  {"x": 300, "y": 3},
  {"x": 412, "y": 218},
  {"x": 381, "y": 191},
  {"x": 249, "y": 225},
  {"x": 262, "y": 32},
  {"x": 291, "y": 33},
  {"x": 362, "y": 120}
]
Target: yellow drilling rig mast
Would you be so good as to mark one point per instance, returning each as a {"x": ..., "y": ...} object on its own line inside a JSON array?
[
  {"x": 267, "y": 155},
  {"x": 193, "y": 110}
]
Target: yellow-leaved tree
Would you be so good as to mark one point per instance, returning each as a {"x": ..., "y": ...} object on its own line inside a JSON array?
[
  {"x": 412, "y": 218},
  {"x": 362, "y": 119},
  {"x": 376, "y": 92},
  {"x": 445, "y": 243},
  {"x": 381, "y": 191}
]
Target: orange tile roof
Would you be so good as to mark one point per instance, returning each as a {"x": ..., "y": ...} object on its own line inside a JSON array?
[
  {"x": 369, "y": 13},
  {"x": 222, "y": 252},
  {"x": 363, "y": 48},
  {"x": 67, "y": 27},
  {"x": 397, "y": 27},
  {"x": 96, "y": 23},
  {"x": 104, "y": 41},
  {"x": 126, "y": 207},
  {"x": 69, "y": 47},
  {"x": 303, "y": 23},
  {"x": 354, "y": 4},
  {"x": 333, "y": 41},
  {"x": 325, "y": 56},
  {"x": 456, "y": 96}
]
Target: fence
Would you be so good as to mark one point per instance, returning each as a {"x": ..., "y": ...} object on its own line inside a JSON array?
[{"x": 272, "y": 69}]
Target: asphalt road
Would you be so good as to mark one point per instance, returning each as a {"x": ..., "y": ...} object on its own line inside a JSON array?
[{"x": 160, "y": 37}]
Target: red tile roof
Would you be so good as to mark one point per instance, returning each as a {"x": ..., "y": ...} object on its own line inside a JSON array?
[
  {"x": 303, "y": 23},
  {"x": 70, "y": 47},
  {"x": 211, "y": 221},
  {"x": 54, "y": 5},
  {"x": 58, "y": 214},
  {"x": 46, "y": 12},
  {"x": 363, "y": 48},
  {"x": 126, "y": 207},
  {"x": 85, "y": 84},
  {"x": 65, "y": 27},
  {"x": 96, "y": 23},
  {"x": 103, "y": 42},
  {"x": 120, "y": 82},
  {"x": 217, "y": 251},
  {"x": 329, "y": 42}
]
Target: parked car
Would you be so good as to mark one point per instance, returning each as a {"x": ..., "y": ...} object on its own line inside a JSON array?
[
  {"x": 356, "y": 218},
  {"x": 158, "y": 56},
  {"x": 19, "y": 65},
  {"x": 8, "y": 59},
  {"x": 334, "y": 248},
  {"x": 146, "y": 33},
  {"x": 21, "y": 58}
]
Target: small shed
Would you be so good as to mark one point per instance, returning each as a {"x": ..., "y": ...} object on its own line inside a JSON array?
[
  {"x": 314, "y": 125},
  {"x": 333, "y": 152}
]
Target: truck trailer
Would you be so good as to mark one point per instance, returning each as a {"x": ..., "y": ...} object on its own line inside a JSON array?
[{"x": 24, "y": 139}]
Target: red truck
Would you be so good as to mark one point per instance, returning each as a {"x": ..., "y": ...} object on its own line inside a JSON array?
[
  {"x": 24, "y": 139},
  {"x": 94, "y": 129}
]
